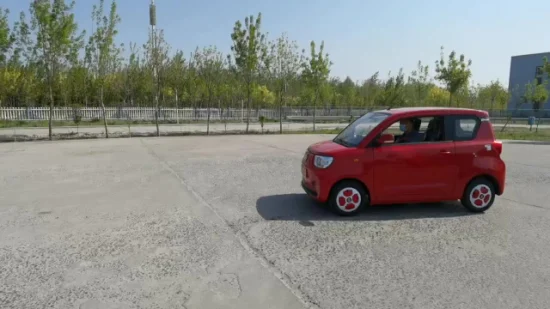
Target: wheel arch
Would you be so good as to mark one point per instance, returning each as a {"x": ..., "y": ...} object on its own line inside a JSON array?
[
  {"x": 490, "y": 178},
  {"x": 352, "y": 180}
]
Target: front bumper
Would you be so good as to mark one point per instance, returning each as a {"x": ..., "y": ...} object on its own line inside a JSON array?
[
  {"x": 309, "y": 191},
  {"x": 316, "y": 184}
]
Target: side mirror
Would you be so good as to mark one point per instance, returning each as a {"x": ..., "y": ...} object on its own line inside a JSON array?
[{"x": 385, "y": 139}]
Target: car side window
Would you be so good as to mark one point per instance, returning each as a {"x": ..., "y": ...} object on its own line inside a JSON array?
[
  {"x": 426, "y": 129},
  {"x": 465, "y": 127}
]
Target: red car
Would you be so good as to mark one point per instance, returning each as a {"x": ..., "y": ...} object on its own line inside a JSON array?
[{"x": 442, "y": 154}]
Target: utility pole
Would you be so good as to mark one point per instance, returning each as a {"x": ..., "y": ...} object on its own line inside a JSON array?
[{"x": 154, "y": 58}]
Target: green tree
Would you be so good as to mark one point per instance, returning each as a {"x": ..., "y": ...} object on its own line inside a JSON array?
[
  {"x": 133, "y": 75},
  {"x": 28, "y": 85},
  {"x": 157, "y": 50},
  {"x": 349, "y": 93},
  {"x": 495, "y": 93},
  {"x": 546, "y": 66},
  {"x": 248, "y": 50},
  {"x": 209, "y": 64},
  {"x": 371, "y": 90},
  {"x": 193, "y": 83},
  {"x": 514, "y": 96},
  {"x": 7, "y": 79},
  {"x": 537, "y": 94},
  {"x": 420, "y": 82},
  {"x": 175, "y": 77},
  {"x": 453, "y": 73},
  {"x": 24, "y": 51},
  {"x": 105, "y": 53},
  {"x": 7, "y": 38},
  {"x": 286, "y": 62},
  {"x": 393, "y": 92},
  {"x": 57, "y": 41},
  {"x": 316, "y": 69},
  {"x": 263, "y": 96},
  {"x": 473, "y": 94}
]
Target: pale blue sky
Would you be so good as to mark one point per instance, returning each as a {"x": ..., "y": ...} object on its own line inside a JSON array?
[{"x": 361, "y": 36}]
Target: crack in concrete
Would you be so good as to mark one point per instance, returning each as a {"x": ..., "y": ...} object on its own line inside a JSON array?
[
  {"x": 522, "y": 203},
  {"x": 243, "y": 240}
]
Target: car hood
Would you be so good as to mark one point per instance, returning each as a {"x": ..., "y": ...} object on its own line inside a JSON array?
[{"x": 326, "y": 148}]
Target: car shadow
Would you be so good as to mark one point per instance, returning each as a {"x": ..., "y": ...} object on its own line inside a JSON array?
[{"x": 300, "y": 207}]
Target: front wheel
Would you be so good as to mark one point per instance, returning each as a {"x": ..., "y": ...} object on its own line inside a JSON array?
[
  {"x": 348, "y": 198},
  {"x": 479, "y": 195}
]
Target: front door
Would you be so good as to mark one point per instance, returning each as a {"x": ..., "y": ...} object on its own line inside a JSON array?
[{"x": 414, "y": 172}]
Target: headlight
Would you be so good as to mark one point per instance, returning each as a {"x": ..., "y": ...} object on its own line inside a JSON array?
[{"x": 322, "y": 161}]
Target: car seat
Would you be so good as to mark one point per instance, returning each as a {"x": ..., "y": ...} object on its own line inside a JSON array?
[{"x": 433, "y": 132}]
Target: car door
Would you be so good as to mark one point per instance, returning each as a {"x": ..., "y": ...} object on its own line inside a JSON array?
[
  {"x": 464, "y": 130},
  {"x": 412, "y": 172}
]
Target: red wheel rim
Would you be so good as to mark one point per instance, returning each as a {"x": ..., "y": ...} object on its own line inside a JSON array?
[
  {"x": 481, "y": 196},
  {"x": 348, "y": 199}
]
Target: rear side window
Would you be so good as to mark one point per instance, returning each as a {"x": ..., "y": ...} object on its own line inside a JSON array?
[{"x": 464, "y": 128}]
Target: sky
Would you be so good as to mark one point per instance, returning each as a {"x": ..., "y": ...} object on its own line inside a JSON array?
[{"x": 361, "y": 36}]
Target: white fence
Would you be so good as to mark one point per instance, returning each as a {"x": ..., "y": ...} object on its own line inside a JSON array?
[
  {"x": 166, "y": 114},
  {"x": 192, "y": 114}
]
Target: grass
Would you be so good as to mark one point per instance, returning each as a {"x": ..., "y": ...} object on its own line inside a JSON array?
[
  {"x": 511, "y": 133},
  {"x": 524, "y": 134},
  {"x": 89, "y": 123},
  {"x": 97, "y": 123},
  {"x": 4, "y": 124}
]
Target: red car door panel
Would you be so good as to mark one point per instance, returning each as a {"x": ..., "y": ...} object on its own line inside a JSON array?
[{"x": 420, "y": 171}]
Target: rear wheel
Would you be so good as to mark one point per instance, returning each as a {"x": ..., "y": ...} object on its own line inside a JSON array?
[
  {"x": 479, "y": 195},
  {"x": 348, "y": 198}
]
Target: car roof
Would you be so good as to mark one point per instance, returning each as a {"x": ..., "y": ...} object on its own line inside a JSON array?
[{"x": 413, "y": 111}]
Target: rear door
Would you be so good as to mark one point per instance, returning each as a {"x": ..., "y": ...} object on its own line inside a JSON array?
[{"x": 469, "y": 148}]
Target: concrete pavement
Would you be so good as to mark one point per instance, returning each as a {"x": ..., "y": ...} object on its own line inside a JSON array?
[
  {"x": 112, "y": 226},
  {"x": 221, "y": 222}
]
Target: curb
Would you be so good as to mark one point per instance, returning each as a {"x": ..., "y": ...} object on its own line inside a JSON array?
[{"x": 520, "y": 141}]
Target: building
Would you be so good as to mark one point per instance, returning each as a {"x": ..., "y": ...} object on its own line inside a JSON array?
[{"x": 525, "y": 69}]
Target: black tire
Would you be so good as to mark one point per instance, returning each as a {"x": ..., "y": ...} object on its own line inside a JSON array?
[
  {"x": 345, "y": 194},
  {"x": 479, "y": 195}
]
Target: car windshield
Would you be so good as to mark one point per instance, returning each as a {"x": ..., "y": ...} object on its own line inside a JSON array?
[{"x": 353, "y": 134}]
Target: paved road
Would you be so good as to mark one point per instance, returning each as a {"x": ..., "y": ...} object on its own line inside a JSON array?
[
  {"x": 217, "y": 127},
  {"x": 221, "y": 222}
]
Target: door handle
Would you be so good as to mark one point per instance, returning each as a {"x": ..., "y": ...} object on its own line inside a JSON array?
[{"x": 443, "y": 151}]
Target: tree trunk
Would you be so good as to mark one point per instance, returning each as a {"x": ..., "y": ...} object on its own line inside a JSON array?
[
  {"x": 314, "y": 109},
  {"x": 248, "y": 93},
  {"x": 50, "y": 135},
  {"x": 281, "y": 113},
  {"x": 208, "y": 115},
  {"x": 177, "y": 108},
  {"x": 223, "y": 118},
  {"x": 538, "y": 120},
  {"x": 103, "y": 111},
  {"x": 507, "y": 121},
  {"x": 157, "y": 113}
]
